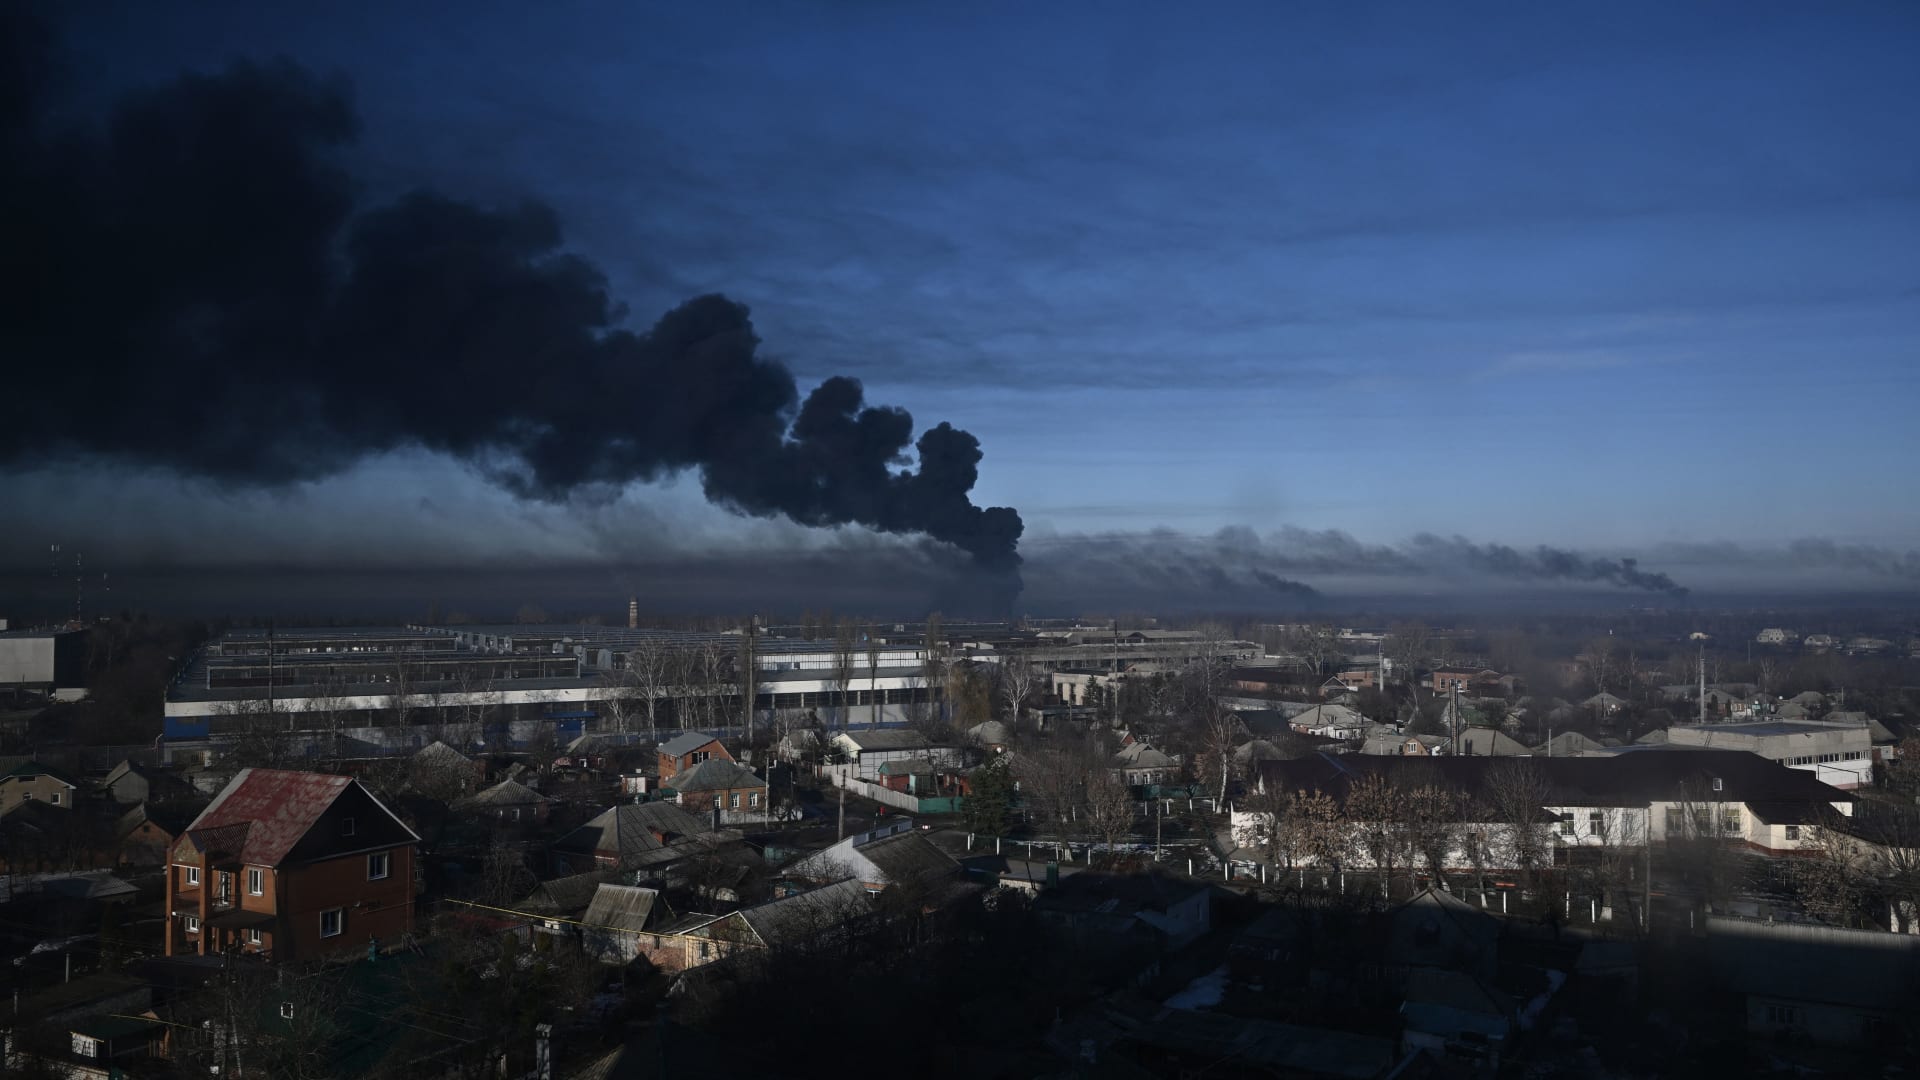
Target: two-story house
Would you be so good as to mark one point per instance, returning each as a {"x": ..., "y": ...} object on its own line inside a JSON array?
[
  {"x": 290, "y": 865},
  {"x": 687, "y": 749}
]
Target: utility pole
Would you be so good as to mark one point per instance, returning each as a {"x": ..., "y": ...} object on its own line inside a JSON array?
[
  {"x": 842, "y": 833},
  {"x": 1453, "y": 724},
  {"x": 1703, "y": 684}
]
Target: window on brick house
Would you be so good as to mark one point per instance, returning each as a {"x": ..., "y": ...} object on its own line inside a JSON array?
[
  {"x": 378, "y": 864},
  {"x": 256, "y": 880},
  {"x": 733, "y": 801},
  {"x": 193, "y": 875},
  {"x": 193, "y": 925},
  {"x": 332, "y": 922},
  {"x": 254, "y": 937}
]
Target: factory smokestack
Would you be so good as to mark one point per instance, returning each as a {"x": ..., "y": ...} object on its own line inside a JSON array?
[
  {"x": 200, "y": 256},
  {"x": 633, "y": 613}
]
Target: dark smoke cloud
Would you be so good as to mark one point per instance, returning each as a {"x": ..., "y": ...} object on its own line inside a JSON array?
[
  {"x": 1157, "y": 559},
  {"x": 196, "y": 290},
  {"x": 1543, "y": 563}
]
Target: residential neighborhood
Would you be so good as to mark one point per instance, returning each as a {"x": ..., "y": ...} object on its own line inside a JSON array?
[{"x": 1462, "y": 868}]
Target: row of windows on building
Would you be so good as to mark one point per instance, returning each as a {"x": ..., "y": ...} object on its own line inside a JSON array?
[
  {"x": 333, "y": 922},
  {"x": 1810, "y": 759},
  {"x": 1676, "y": 822},
  {"x": 733, "y": 801},
  {"x": 379, "y": 865}
]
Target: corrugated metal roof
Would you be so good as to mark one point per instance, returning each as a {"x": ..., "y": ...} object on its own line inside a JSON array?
[
  {"x": 262, "y": 813},
  {"x": 621, "y": 907},
  {"x": 805, "y": 915}
]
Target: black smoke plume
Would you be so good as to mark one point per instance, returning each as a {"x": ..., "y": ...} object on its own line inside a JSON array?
[
  {"x": 1227, "y": 560},
  {"x": 195, "y": 289},
  {"x": 1543, "y": 563}
]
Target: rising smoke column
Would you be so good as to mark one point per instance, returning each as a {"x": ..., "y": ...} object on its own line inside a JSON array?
[{"x": 196, "y": 289}]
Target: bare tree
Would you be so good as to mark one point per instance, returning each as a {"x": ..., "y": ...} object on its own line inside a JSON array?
[
  {"x": 874, "y": 696},
  {"x": 1377, "y": 810},
  {"x": 1314, "y": 642},
  {"x": 1055, "y": 777},
  {"x": 1110, "y": 809},
  {"x": 1697, "y": 850},
  {"x": 1298, "y": 828},
  {"x": 747, "y": 677},
  {"x": 1865, "y": 865},
  {"x": 1018, "y": 681},
  {"x": 1406, "y": 646},
  {"x": 1217, "y": 742},
  {"x": 844, "y": 649},
  {"x": 1517, "y": 794},
  {"x": 970, "y": 695},
  {"x": 1598, "y": 657},
  {"x": 1433, "y": 826},
  {"x": 649, "y": 671}
]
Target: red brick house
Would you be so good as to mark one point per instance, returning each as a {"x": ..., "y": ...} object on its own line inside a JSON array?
[
  {"x": 290, "y": 865},
  {"x": 687, "y": 749},
  {"x": 723, "y": 786}
]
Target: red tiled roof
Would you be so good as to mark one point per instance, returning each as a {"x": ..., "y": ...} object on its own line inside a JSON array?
[{"x": 274, "y": 809}]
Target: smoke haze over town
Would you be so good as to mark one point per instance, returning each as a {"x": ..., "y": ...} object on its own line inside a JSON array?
[{"x": 1200, "y": 356}]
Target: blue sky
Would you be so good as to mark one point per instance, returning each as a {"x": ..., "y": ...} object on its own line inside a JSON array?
[{"x": 1604, "y": 277}]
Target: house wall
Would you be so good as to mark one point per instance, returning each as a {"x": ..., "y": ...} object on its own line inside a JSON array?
[
  {"x": 671, "y": 766},
  {"x": 1834, "y": 1025},
  {"x": 129, "y": 788},
  {"x": 1618, "y": 826},
  {"x": 867, "y": 763},
  {"x": 751, "y": 801},
  {"x": 17, "y": 791},
  {"x": 382, "y": 909},
  {"x": 146, "y": 844}
]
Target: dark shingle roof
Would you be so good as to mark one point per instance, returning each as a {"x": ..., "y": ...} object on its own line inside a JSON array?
[
  {"x": 908, "y": 856},
  {"x": 27, "y": 770},
  {"x": 504, "y": 793},
  {"x": 630, "y": 829},
  {"x": 566, "y": 895},
  {"x": 685, "y": 742}
]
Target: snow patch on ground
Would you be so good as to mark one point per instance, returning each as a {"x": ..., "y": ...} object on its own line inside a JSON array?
[
  {"x": 1530, "y": 1015},
  {"x": 1203, "y": 992}
]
